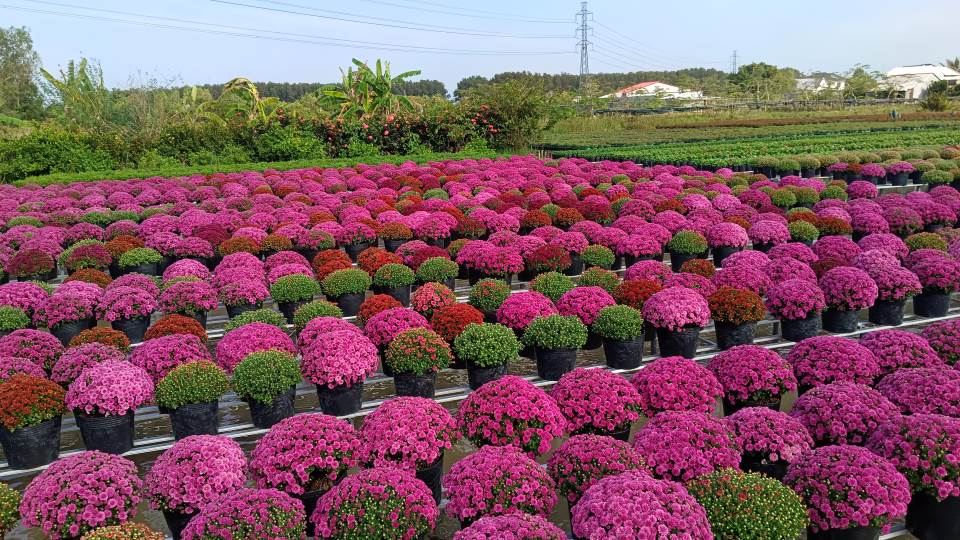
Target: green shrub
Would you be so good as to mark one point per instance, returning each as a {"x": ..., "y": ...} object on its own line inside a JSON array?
[
  {"x": 486, "y": 345},
  {"x": 803, "y": 231},
  {"x": 487, "y": 294},
  {"x": 312, "y": 310},
  {"x": 346, "y": 281},
  {"x": 605, "y": 279},
  {"x": 687, "y": 243},
  {"x": 937, "y": 177},
  {"x": 23, "y": 220},
  {"x": 553, "y": 285},
  {"x": 418, "y": 351},
  {"x": 551, "y": 210},
  {"x": 556, "y": 332},
  {"x": 48, "y": 151},
  {"x": 806, "y": 195},
  {"x": 926, "y": 240},
  {"x": 788, "y": 165},
  {"x": 65, "y": 254},
  {"x": 438, "y": 269},
  {"x": 833, "y": 192},
  {"x": 263, "y": 315},
  {"x": 784, "y": 198},
  {"x": 12, "y": 318},
  {"x": 436, "y": 193},
  {"x": 287, "y": 143},
  {"x": 194, "y": 382},
  {"x": 138, "y": 256},
  {"x": 296, "y": 288},
  {"x": 619, "y": 323},
  {"x": 262, "y": 376},
  {"x": 392, "y": 275},
  {"x": 597, "y": 255},
  {"x": 9, "y": 507},
  {"x": 808, "y": 162}
]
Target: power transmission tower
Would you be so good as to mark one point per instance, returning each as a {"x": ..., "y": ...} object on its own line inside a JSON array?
[
  {"x": 583, "y": 16},
  {"x": 733, "y": 62}
]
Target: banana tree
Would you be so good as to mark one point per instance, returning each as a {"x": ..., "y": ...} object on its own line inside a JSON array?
[
  {"x": 81, "y": 91},
  {"x": 365, "y": 91},
  {"x": 241, "y": 99}
]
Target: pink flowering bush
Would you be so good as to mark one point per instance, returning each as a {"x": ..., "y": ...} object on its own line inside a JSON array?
[
  {"x": 305, "y": 453},
  {"x": 941, "y": 274},
  {"x": 823, "y": 360},
  {"x": 743, "y": 277},
  {"x": 188, "y": 297},
  {"x": 160, "y": 355},
  {"x": 265, "y": 514},
  {"x": 772, "y": 435},
  {"x": 695, "y": 282},
  {"x": 583, "y": 460},
  {"x": 76, "y": 359},
  {"x": 752, "y": 374},
  {"x": 137, "y": 281},
  {"x": 510, "y": 411},
  {"x": 635, "y": 505},
  {"x": 431, "y": 297},
  {"x": 320, "y": 326},
  {"x": 795, "y": 299},
  {"x": 384, "y": 326},
  {"x": 24, "y": 295},
  {"x": 10, "y": 366},
  {"x": 64, "y": 306},
  {"x": 923, "y": 447},
  {"x": 339, "y": 358},
  {"x": 944, "y": 338},
  {"x": 519, "y": 526},
  {"x": 842, "y": 413},
  {"x": 674, "y": 383},
  {"x": 727, "y": 235},
  {"x": 923, "y": 390},
  {"x": 886, "y": 242},
  {"x": 377, "y": 503},
  {"x": 574, "y": 242},
  {"x": 596, "y": 400},
  {"x": 41, "y": 348},
  {"x": 676, "y": 308},
  {"x": 498, "y": 480},
  {"x": 793, "y": 250},
  {"x": 585, "y": 303},
  {"x": 187, "y": 268},
  {"x": 636, "y": 245},
  {"x": 848, "y": 486},
  {"x": 79, "y": 493},
  {"x": 846, "y": 288},
  {"x": 654, "y": 270},
  {"x": 121, "y": 303},
  {"x": 769, "y": 232},
  {"x": 895, "y": 349},
  {"x": 682, "y": 445},
  {"x": 520, "y": 309},
  {"x": 407, "y": 433},
  {"x": 192, "y": 471},
  {"x": 747, "y": 257},
  {"x": 110, "y": 388},
  {"x": 243, "y": 292},
  {"x": 256, "y": 336}
]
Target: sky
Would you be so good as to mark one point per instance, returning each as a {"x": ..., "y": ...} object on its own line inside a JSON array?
[{"x": 310, "y": 40}]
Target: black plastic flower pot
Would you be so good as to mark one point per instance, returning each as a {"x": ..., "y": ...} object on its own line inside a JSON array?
[
  {"x": 931, "y": 303},
  {"x": 649, "y": 332},
  {"x": 623, "y": 354},
  {"x": 340, "y": 400},
  {"x": 32, "y": 446},
  {"x": 933, "y": 227},
  {"x": 176, "y": 522},
  {"x": 754, "y": 462},
  {"x": 731, "y": 335},
  {"x": 930, "y": 519},
  {"x": 478, "y": 376},
  {"x": 451, "y": 283},
  {"x": 194, "y": 419},
  {"x": 887, "y": 313},
  {"x": 679, "y": 342},
  {"x": 289, "y": 308},
  {"x": 762, "y": 247},
  {"x": 401, "y": 294},
  {"x": 617, "y": 262},
  {"x": 430, "y": 475},
  {"x": 109, "y": 434},
  {"x": 199, "y": 316},
  {"x": 350, "y": 303},
  {"x": 576, "y": 265},
  {"x": 457, "y": 363},
  {"x": 594, "y": 341},
  {"x": 800, "y": 329},
  {"x": 900, "y": 179},
  {"x": 730, "y": 407},
  {"x": 553, "y": 363},
  {"x": 65, "y": 331},
  {"x": 722, "y": 252},
  {"x": 149, "y": 269},
  {"x": 856, "y": 533},
  {"x": 265, "y": 415},
  {"x": 621, "y": 433},
  {"x": 134, "y": 329},
  {"x": 526, "y": 275},
  {"x": 354, "y": 250},
  {"x": 393, "y": 245},
  {"x": 490, "y": 316},
  {"x": 233, "y": 311},
  {"x": 437, "y": 242},
  {"x": 840, "y": 321},
  {"x": 310, "y": 500},
  {"x": 161, "y": 266},
  {"x": 677, "y": 259},
  {"x": 409, "y": 384}
]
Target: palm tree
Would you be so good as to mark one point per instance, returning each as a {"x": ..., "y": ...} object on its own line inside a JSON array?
[{"x": 953, "y": 64}]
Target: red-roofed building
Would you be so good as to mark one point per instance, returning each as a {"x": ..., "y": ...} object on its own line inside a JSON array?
[{"x": 653, "y": 89}]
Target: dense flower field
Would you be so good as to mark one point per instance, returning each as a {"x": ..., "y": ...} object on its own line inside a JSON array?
[{"x": 694, "y": 284}]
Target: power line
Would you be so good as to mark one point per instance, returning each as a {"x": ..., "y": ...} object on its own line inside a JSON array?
[
  {"x": 303, "y": 38},
  {"x": 660, "y": 52},
  {"x": 583, "y": 15},
  {"x": 424, "y": 2},
  {"x": 368, "y": 20},
  {"x": 503, "y": 17}
]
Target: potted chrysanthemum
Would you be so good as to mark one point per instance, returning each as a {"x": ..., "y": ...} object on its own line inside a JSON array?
[
  {"x": 768, "y": 440},
  {"x": 254, "y": 513},
  {"x": 682, "y": 445},
  {"x": 347, "y": 288},
  {"x": 103, "y": 399},
  {"x": 267, "y": 381},
  {"x": 128, "y": 309},
  {"x": 189, "y": 393},
  {"x": 798, "y": 304},
  {"x": 338, "y": 362},
  {"x": 621, "y": 329},
  {"x": 555, "y": 339},
  {"x": 678, "y": 314},
  {"x": 842, "y": 413},
  {"x": 486, "y": 348},
  {"x": 597, "y": 401},
  {"x": 31, "y": 409},
  {"x": 752, "y": 376},
  {"x": 292, "y": 291},
  {"x": 584, "y": 460},
  {"x": 414, "y": 357}
]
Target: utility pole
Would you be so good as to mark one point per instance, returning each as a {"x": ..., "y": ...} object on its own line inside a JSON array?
[
  {"x": 733, "y": 62},
  {"x": 583, "y": 17}
]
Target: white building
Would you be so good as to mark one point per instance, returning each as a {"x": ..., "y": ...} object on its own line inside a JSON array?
[
  {"x": 654, "y": 89},
  {"x": 816, "y": 85},
  {"x": 913, "y": 81}
]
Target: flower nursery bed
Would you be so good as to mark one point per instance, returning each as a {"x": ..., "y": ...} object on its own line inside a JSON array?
[{"x": 477, "y": 315}]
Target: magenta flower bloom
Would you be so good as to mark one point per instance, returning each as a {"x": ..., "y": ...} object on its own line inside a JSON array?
[
  {"x": 243, "y": 292},
  {"x": 884, "y": 241},
  {"x": 121, "y": 303},
  {"x": 596, "y": 400},
  {"x": 585, "y": 303},
  {"x": 695, "y": 282},
  {"x": 510, "y": 411},
  {"x": 923, "y": 390},
  {"x": 384, "y": 326},
  {"x": 842, "y": 413},
  {"x": 727, "y": 235},
  {"x": 110, "y": 388},
  {"x": 238, "y": 343},
  {"x": 583, "y": 460},
  {"x": 24, "y": 295},
  {"x": 749, "y": 257},
  {"x": 188, "y": 297},
  {"x": 41, "y": 348},
  {"x": 10, "y": 366},
  {"x": 339, "y": 359},
  {"x": 795, "y": 299},
  {"x": 636, "y": 245},
  {"x": 674, "y": 383},
  {"x": 846, "y": 288},
  {"x": 520, "y": 526},
  {"x": 407, "y": 433},
  {"x": 944, "y": 337},
  {"x": 769, "y": 232},
  {"x": 305, "y": 453},
  {"x": 520, "y": 309},
  {"x": 160, "y": 355},
  {"x": 783, "y": 269},
  {"x": 636, "y": 506},
  {"x": 743, "y": 277},
  {"x": 821, "y": 360},
  {"x": 265, "y": 514},
  {"x": 676, "y": 308},
  {"x": 681, "y": 445},
  {"x": 574, "y": 242},
  {"x": 793, "y": 250},
  {"x": 772, "y": 435},
  {"x": 79, "y": 493},
  {"x": 655, "y": 270},
  {"x": 752, "y": 374},
  {"x": 185, "y": 476},
  {"x": 68, "y": 304},
  {"x": 137, "y": 281},
  {"x": 941, "y": 274},
  {"x": 498, "y": 480},
  {"x": 187, "y": 268},
  {"x": 923, "y": 447},
  {"x": 895, "y": 349},
  {"x": 848, "y": 486}
]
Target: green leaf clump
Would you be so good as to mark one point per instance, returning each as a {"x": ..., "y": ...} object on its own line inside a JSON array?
[
  {"x": 486, "y": 345},
  {"x": 312, "y": 310},
  {"x": 556, "y": 332},
  {"x": 12, "y": 318},
  {"x": 263, "y": 315},
  {"x": 296, "y": 288},
  {"x": 688, "y": 243},
  {"x": 599, "y": 277},
  {"x": 138, "y": 256},
  {"x": 195, "y": 382},
  {"x": 262, "y": 376},
  {"x": 553, "y": 285},
  {"x": 803, "y": 231},
  {"x": 488, "y": 294},
  {"x": 438, "y": 269},
  {"x": 9, "y": 507},
  {"x": 394, "y": 275},
  {"x": 597, "y": 255},
  {"x": 346, "y": 281},
  {"x": 619, "y": 323}
]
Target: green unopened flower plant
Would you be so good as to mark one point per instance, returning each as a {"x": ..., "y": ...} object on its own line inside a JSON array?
[
  {"x": 834, "y": 192},
  {"x": 556, "y": 332},
  {"x": 488, "y": 294},
  {"x": 597, "y": 255},
  {"x": 138, "y": 256},
  {"x": 262, "y": 376},
  {"x": 12, "y": 318},
  {"x": 803, "y": 231},
  {"x": 486, "y": 345},
  {"x": 297, "y": 288},
  {"x": 312, "y": 310},
  {"x": 393, "y": 275},
  {"x": 438, "y": 269},
  {"x": 346, "y": 281},
  {"x": 263, "y": 315},
  {"x": 194, "y": 382},
  {"x": 618, "y": 323},
  {"x": 599, "y": 277},
  {"x": 553, "y": 285},
  {"x": 926, "y": 240},
  {"x": 9, "y": 507},
  {"x": 687, "y": 243},
  {"x": 784, "y": 198}
]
